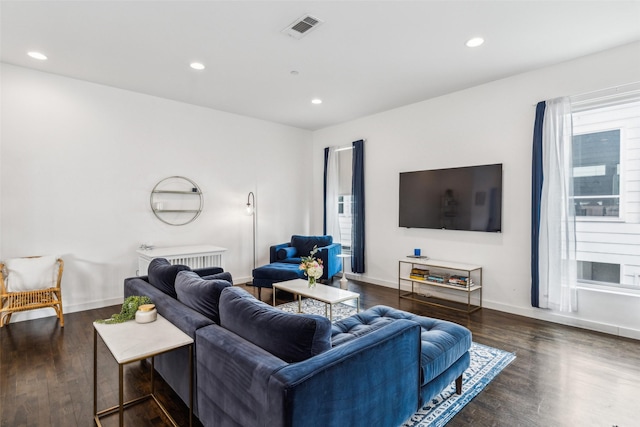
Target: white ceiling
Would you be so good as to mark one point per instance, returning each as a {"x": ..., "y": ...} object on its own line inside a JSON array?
[{"x": 367, "y": 56}]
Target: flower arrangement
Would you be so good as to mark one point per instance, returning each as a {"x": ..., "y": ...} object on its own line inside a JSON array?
[{"x": 312, "y": 267}]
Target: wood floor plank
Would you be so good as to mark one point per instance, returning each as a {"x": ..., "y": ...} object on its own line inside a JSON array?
[{"x": 562, "y": 376}]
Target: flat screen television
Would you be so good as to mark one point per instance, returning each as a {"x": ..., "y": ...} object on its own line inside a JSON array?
[{"x": 465, "y": 198}]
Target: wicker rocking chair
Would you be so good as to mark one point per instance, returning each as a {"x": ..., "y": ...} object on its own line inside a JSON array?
[{"x": 30, "y": 283}]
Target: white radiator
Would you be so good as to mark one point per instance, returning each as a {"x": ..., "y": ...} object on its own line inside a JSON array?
[{"x": 192, "y": 256}]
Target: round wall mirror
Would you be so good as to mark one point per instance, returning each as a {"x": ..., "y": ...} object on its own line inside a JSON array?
[{"x": 176, "y": 200}]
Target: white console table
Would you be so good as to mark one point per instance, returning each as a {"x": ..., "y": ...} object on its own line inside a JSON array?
[
  {"x": 472, "y": 274},
  {"x": 197, "y": 256}
]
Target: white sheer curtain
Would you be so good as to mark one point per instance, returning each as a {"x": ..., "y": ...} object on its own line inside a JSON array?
[
  {"x": 557, "y": 253},
  {"x": 333, "y": 170}
]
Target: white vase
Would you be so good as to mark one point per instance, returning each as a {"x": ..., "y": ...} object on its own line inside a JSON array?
[{"x": 146, "y": 313}]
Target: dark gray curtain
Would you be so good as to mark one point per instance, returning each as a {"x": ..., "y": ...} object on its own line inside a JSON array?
[
  {"x": 357, "y": 189},
  {"x": 536, "y": 194}
]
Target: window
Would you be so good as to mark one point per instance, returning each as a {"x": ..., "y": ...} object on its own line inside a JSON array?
[
  {"x": 606, "y": 181},
  {"x": 339, "y": 201},
  {"x": 596, "y": 173},
  {"x": 345, "y": 203},
  {"x": 599, "y": 272}
]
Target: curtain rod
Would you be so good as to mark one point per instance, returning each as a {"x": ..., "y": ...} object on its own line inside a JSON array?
[
  {"x": 347, "y": 147},
  {"x": 613, "y": 92},
  {"x": 344, "y": 148},
  {"x": 606, "y": 92},
  {"x": 606, "y": 97}
]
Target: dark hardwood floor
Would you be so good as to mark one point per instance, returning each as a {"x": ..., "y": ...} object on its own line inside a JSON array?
[{"x": 562, "y": 376}]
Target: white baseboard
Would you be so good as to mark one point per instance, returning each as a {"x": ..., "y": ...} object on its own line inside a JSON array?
[
  {"x": 242, "y": 280},
  {"x": 549, "y": 316},
  {"x": 66, "y": 309},
  {"x": 367, "y": 279},
  {"x": 630, "y": 333},
  {"x": 531, "y": 312}
]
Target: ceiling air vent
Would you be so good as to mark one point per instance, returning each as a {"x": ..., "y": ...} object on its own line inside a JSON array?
[{"x": 302, "y": 26}]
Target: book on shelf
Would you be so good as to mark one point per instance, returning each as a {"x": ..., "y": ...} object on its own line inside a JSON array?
[
  {"x": 438, "y": 278},
  {"x": 419, "y": 273},
  {"x": 462, "y": 281}
]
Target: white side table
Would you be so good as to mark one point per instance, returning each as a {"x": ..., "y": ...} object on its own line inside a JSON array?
[{"x": 130, "y": 342}]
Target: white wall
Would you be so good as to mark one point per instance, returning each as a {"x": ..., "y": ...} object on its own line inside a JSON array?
[
  {"x": 78, "y": 161},
  {"x": 492, "y": 123}
]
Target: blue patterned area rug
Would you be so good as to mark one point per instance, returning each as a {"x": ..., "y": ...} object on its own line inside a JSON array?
[
  {"x": 486, "y": 363},
  {"x": 311, "y": 306}
]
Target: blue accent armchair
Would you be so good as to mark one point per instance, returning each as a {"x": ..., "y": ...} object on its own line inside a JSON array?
[
  {"x": 301, "y": 246},
  {"x": 285, "y": 259}
]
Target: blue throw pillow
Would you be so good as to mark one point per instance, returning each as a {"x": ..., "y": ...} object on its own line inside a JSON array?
[
  {"x": 284, "y": 253},
  {"x": 162, "y": 275},
  {"x": 200, "y": 294},
  {"x": 304, "y": 244},
  {"x": 291, "y": 337}
]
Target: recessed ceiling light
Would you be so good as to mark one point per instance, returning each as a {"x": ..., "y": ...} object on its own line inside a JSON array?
[
  {"x": 197, "y": 66},
  {"x": 37, "y": 55},
  {"x": 316, "y": 101},
  {"x": 475, "y": 42}
]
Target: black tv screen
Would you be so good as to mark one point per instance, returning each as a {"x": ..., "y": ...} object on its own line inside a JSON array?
[{"x": 465, "y": 198}]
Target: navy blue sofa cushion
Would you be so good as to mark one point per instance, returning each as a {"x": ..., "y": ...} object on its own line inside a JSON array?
[
  {"x": 208, "y": 271},
  {"x": 201, "y": 295},
  {"x": 291, "y": 337},
  {"x": 162, "y": 275},
  {"x": 219, "y": 276},
  {"x": 304, "y": 244}
]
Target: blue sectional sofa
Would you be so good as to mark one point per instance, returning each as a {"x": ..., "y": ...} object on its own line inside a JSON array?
[{"x": 259, "y": 366}]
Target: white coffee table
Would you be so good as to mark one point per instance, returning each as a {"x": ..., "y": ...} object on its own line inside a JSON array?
[
  {"x": 130, "y": 342},
  {"x": 323, "y": 293}
]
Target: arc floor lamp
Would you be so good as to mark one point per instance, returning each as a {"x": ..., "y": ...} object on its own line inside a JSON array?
[{"x": 251, "y": 210}]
